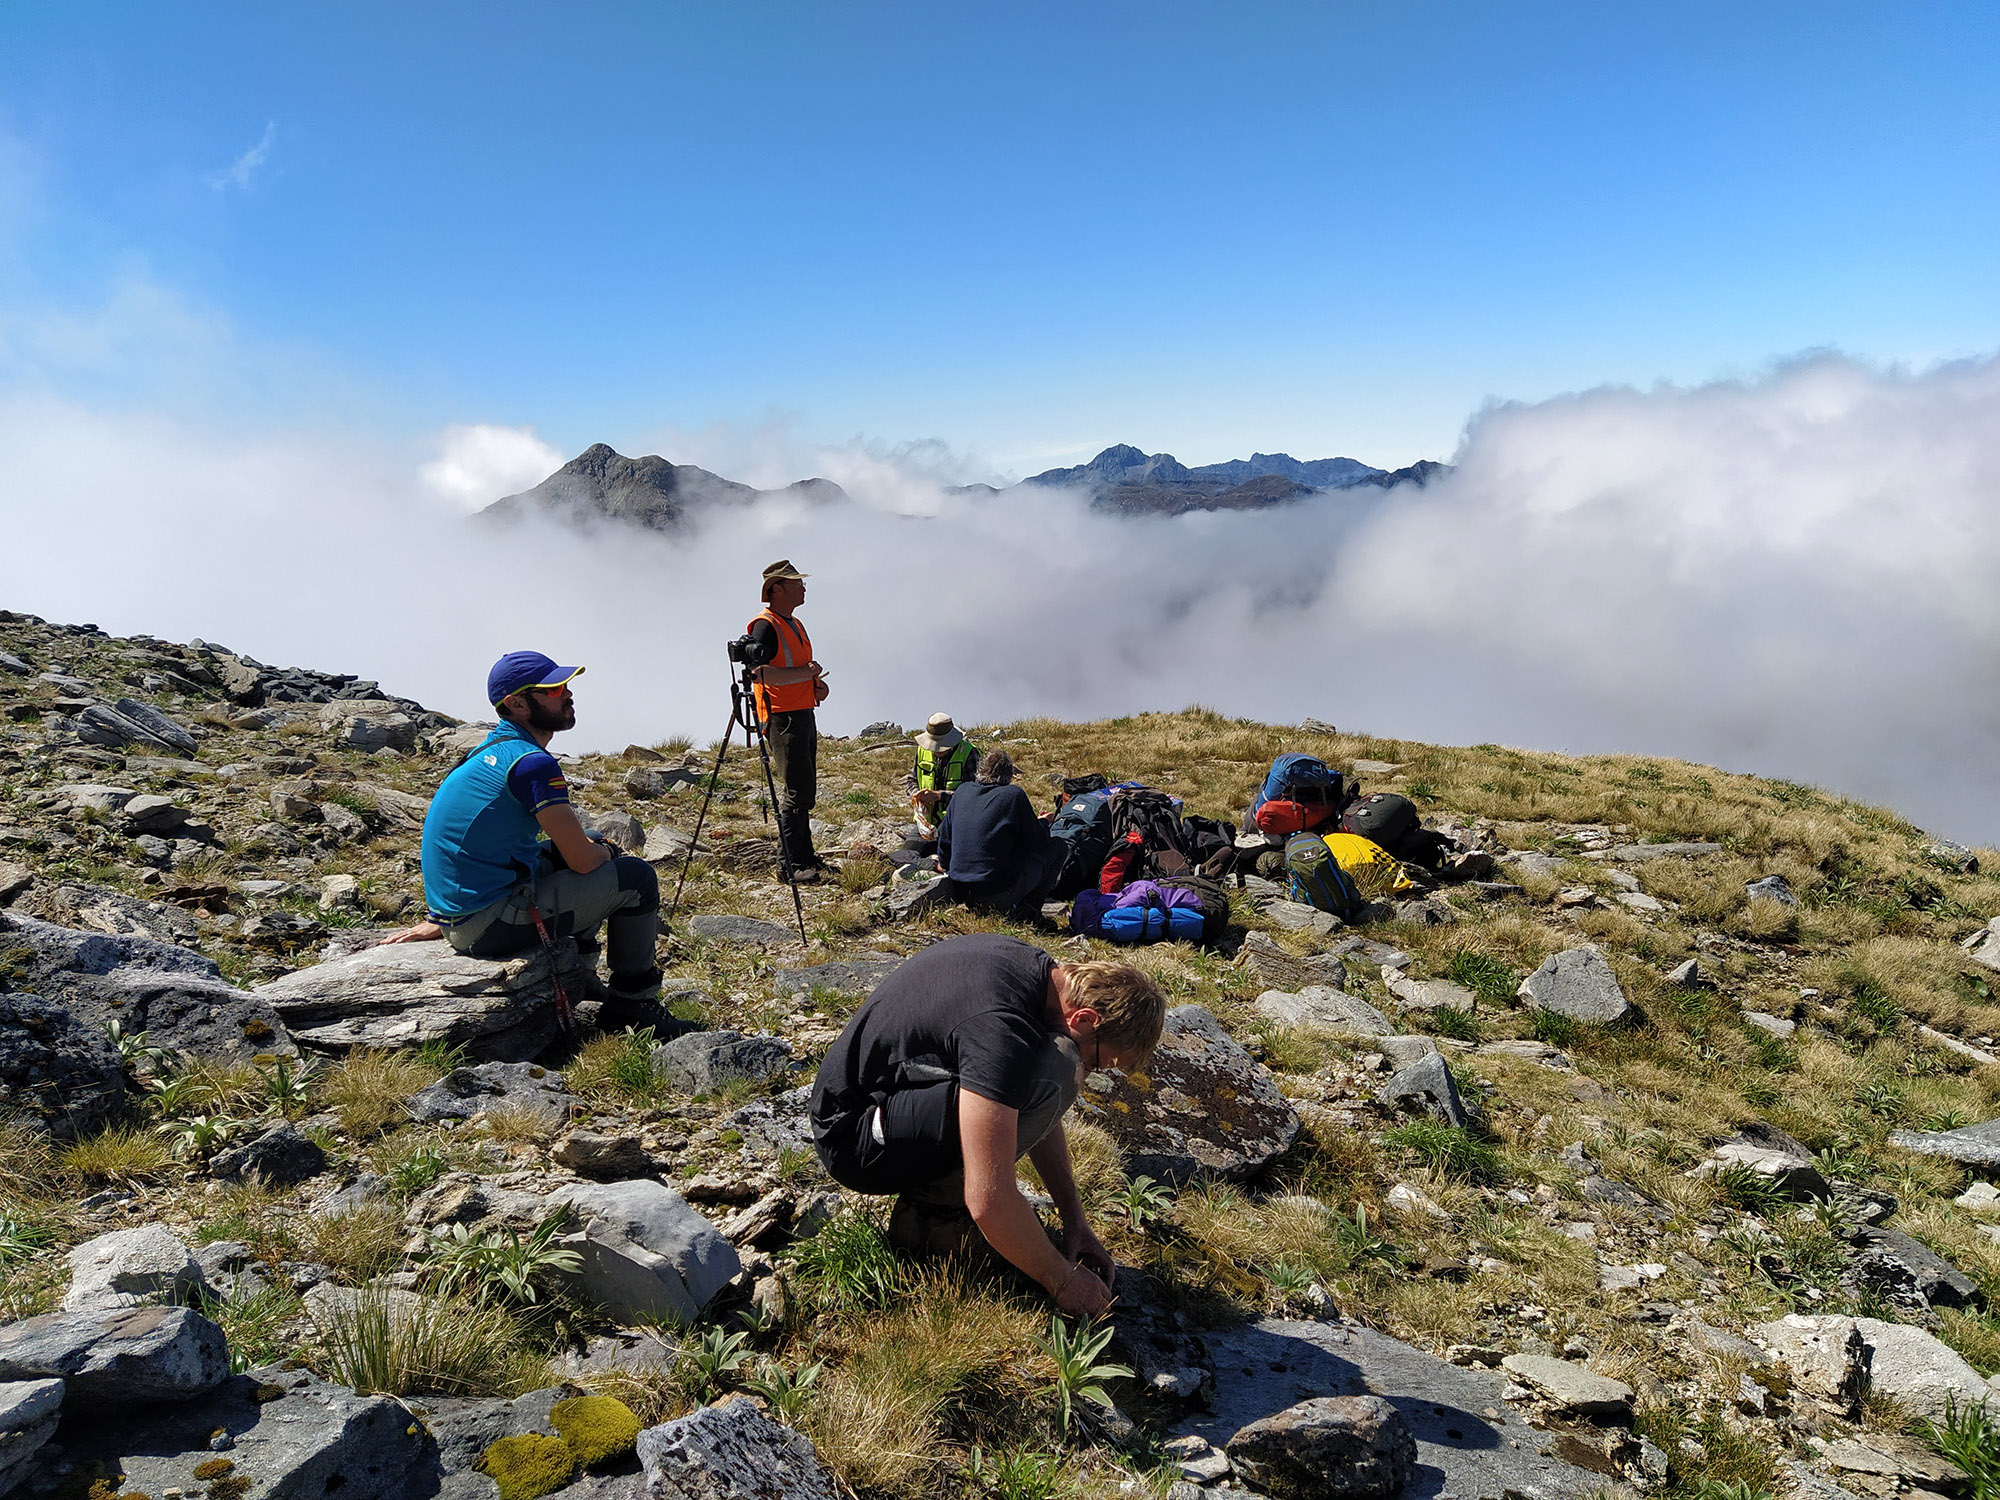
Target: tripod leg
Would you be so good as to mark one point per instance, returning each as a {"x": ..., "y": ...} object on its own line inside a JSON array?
[{"x": 714, "y": 773}]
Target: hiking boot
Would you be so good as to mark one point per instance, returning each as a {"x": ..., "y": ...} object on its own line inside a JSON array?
[
  {"x": 930, "y": 1230},
  {"x": 808, "y": 875}
]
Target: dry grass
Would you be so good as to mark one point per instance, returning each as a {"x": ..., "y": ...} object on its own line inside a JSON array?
[
  {"x": 445, "y": 1346},
  {"x": 519, "y": 1125},
  {"x": 121, "y": 1154},
  {"x": 950, "y": 1361},
  {"x": 367, "y": 1090},
  {"x": 358, "y": 1245}
]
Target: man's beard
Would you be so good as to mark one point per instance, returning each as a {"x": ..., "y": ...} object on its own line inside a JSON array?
[{"x": 550, "y": 719}]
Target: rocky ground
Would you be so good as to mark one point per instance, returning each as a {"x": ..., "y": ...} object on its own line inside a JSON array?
[{"x": 1654, "y": 1158}]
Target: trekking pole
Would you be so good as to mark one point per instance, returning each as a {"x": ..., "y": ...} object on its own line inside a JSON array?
[
  {"x": 565, "y": 1013},
  {"x": 708, "y": 795},
  {"x": 771, "y": 785}
]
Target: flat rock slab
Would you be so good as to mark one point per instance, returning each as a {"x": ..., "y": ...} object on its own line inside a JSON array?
[
  {"x": 291, "y": 1436},
  {"x": 740, "y": 932},
  {"x": 1296, "y": 916},
  {"x": 111, "y": 1358},
  {"x": 1274, "y": 967},
  {"x": 29, "y": 1412},
  {"x": 853, "y": 976},
  {"x": 129, "y": 1266},
  {"x": 1825, "y": 1353},
  {"x": 703, "y": 1061},
  {"x": 1974, "y": 1145},
  {"x": 732, "y": 1452},
  {"x": 57, "y": 1074},
  {"x": 465, "y": 1092},
  {"x": 1204, "y": 1105},
  {"x": 1900, "y": 1267},
  {"x": 1428, "y": 994},
  {"x": 1579, "y": 984},
  {"x": 1275, "y": 1363},
  {"x": 405, "y": 994},
  {"x": 1920, "y": 1370},
  {"x": 1571, "y": 1389},
  {"x": 1319, "y": 1008}
]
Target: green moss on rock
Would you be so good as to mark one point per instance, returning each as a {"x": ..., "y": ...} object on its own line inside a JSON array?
[
  {"x": 596, "y": 1428},
  {"x": 528, "y": 1466}
]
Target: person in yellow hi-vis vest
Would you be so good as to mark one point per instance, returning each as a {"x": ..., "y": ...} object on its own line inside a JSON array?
[
  {"x": 788, "y": 687},
  {"x": 945, "y": 761}
]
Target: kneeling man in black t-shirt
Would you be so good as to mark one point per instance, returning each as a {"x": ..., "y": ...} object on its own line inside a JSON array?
[{"x": 963, "y": 1061}]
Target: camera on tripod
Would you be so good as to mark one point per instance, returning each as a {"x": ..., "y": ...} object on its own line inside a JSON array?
[{"x": 748, "y": 651}]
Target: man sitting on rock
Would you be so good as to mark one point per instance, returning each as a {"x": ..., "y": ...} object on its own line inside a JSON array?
[
  {"x": 502, "y": 844},
  {"x": 964, "y": 1060},
  {"x": 993, "y": 847}
]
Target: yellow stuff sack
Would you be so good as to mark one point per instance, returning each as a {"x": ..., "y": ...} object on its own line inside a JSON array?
[{"x": 1371, "y": 867}]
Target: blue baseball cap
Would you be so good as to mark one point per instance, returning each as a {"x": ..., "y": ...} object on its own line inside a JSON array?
[{"x": 524, "y": 669}]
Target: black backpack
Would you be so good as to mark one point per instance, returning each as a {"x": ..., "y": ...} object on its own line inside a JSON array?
[
  {"x": 1388, "y": 820},
  {"x": 1214, "y": 903},
  {"x": 1081, "y": 834},
  {"x": 1156, "y": 818},
  {"x": 1211, "y": 845}
]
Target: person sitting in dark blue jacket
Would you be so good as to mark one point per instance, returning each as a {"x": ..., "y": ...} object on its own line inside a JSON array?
[{"x": 992, "y": 845}]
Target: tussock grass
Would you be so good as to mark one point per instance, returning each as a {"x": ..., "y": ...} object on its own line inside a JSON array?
[
  {"x": 443, "y": 1346},
  {"x": 358, "y": 1245},
  {"x": 120, "y": 1154},
  {"x": 367, "y": 1089}
]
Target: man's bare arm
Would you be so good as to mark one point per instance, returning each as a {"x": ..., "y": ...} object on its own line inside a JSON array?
[
  {"x": 579, "y": 850},
  {"x": 1051, "y": 1159},
  {"x": 988, "y": 1134}
]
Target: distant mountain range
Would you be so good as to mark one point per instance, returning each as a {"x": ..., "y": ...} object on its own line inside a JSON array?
[{"x": 602, "y": 484}]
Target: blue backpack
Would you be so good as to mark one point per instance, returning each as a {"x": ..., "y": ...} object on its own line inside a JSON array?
[
  {"x": 1317, "y": 879},
  {"x": 1297, "y": 778},
  {"x": 1141, "y": 913}
]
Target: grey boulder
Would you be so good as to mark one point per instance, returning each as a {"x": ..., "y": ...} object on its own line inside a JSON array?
[
  {"x": 112, "y": 1357},
  {"x": 603, "y": 1158},
  {"x": 1428, "y": 994},
  {"x": 1328, "y": 1448},
  {"x": 1973, "y": 1145},
  {"x": 703, "y": 1061},
  {"x": 1919, "y": 1370},
  {"x": 1579, "y": 984},
  {"x": 29, "y": 1413},
  {"x": 1772, "y": 888},
  {"x": 1271, "y": 965},
  {"x": 1319, "y": 1008},
  {"x": 129, "y": 1266},
  {"x": 1826, "y": 1354},
  {"x": 55, "y": 1073},
  {"x": 1907, "y": 1271},
  {"x": 1296, "y": 916},
  {"x": 1571, "y": 1390},
  {"x": 739, "y": 932},
  {"x": 1425, "y": 1087},
  {"x": 282, "y": 1156},
  {"x": 290, "y": 1434},
  {"x": 516, "y": 1086},
  {"x": 1203, "y": 1106},
  {"x": 1983, "y": 947},
  {"x": 405, "y": 994},
  {"x": 854, "y": 976},
  {"x": 732, "y": 1452},
  {"x": 645, "y": 1252}
]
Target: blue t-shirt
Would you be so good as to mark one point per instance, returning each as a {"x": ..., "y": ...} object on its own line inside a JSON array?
[{"x": 481, "y": 837}]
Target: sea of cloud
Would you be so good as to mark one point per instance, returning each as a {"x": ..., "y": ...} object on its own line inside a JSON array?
[{"x": 1791, "y": 575}]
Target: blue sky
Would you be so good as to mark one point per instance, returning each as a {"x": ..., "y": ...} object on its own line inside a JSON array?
[{"x": 1026, "y": 230}]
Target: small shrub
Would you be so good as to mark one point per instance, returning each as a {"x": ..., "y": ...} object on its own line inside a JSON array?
[
  {"x": 597, "y": 1428},
  {"x": 713, "y": 1361},
  {"x": 1145, "y": 1200},
  {"x": 1742, "y": 1186},
  {"x": 1553, "y": 1028},
  {"x": 1970, "y": 1437},
  {"x": 785, "y": 1391},
  {"x": 528, "y": 1466},
  {"x": 446, "y": 1346},
  {"x": 1448, "y": 1150}
]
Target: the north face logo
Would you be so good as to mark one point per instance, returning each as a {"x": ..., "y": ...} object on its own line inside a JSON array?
[{"x": 492, "y": 760}]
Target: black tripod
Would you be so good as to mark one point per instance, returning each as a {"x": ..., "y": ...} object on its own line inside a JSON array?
[{"x": 743, "y": 713}]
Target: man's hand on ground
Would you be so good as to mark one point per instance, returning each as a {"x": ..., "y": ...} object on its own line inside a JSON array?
[
  {"x": 423, "y": 932},
  {"x": 1082, "y": 1295},
  {"x": 1081, "y": 1244}
]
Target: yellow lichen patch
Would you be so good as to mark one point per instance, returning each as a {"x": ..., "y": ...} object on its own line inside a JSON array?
[
  {"x": 596, "y": 1428},
  {"x": 529, "y": 1466}
]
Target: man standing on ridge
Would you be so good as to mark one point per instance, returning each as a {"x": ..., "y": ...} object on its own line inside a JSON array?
[
  {"x": 963, "y": 1061},
  {"x": 788, "y": 687},
  {"x": 502, "y": 845}
]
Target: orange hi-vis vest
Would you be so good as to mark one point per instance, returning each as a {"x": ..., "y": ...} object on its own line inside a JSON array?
[{"x": 795, "y": 649}]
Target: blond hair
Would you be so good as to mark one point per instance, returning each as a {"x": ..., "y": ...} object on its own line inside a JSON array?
[{"x": 1131, "y": 1011}]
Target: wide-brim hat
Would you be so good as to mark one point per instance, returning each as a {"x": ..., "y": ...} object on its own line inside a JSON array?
[
  {"x": 782, "y": 568},
  {"x": 939, "y": 734}
]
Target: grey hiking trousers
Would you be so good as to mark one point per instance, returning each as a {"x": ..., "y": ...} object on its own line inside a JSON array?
[{"x": 622, "y": 895}]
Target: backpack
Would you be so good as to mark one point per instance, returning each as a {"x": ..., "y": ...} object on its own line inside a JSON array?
[
  {"x": 1308, "y": 792},
  {"x": 1089, "y": 781},
  {"x": 1317, "y": 879},
  {"x": 1385, "y": 818},
  {"x": 1366, "y": 861},
  {"x": 1082, "y": 830},
  {"x": 1211, "y": 845},
  {"x": 1156, "y": 818},
  {"x": 1214, "y": 903},
  {"x": 1142, "y": 913}
]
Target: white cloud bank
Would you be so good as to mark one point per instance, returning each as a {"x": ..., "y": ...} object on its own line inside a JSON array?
[{"x": 1790, "y": 576}]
